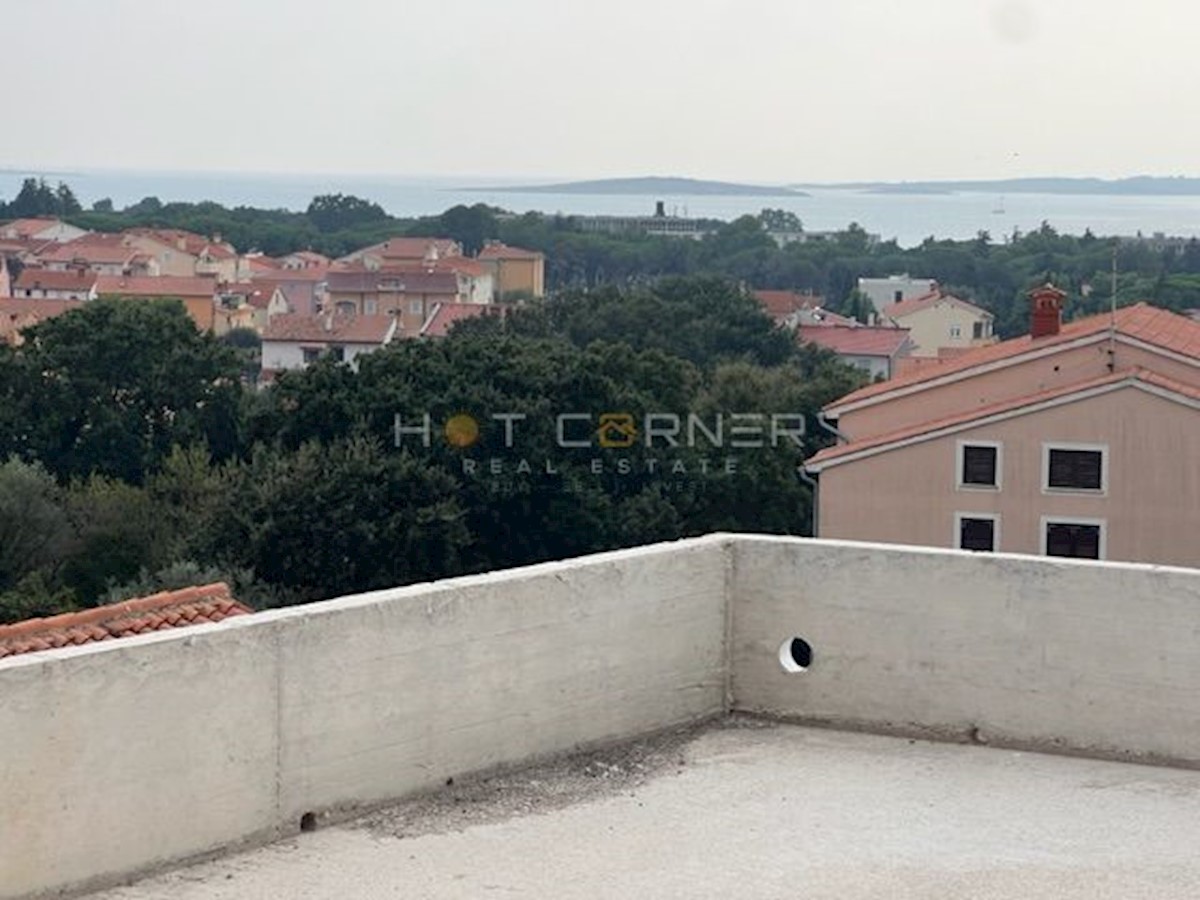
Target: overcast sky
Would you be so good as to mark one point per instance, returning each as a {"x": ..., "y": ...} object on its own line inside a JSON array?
[{"x": 754, "y": 90}]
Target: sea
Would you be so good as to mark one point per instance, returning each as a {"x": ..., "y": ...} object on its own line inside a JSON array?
[{"x": 907, "y": 218}]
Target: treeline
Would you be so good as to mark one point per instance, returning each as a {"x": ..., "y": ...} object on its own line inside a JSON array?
[
  {"x": 136, "y": 460},
  {"x": 993, "y": 271}
]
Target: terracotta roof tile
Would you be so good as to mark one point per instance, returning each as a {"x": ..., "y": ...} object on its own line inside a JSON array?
[
  {"x": 169, "y": 609},
  {"x": 328, "y": 328},
  {"x": 926, "y": 427},
  {"x": 446, "y": 314},
  {"x": 781, "y": 304},
  {"x": 1151, "y": 324},
  {"x": 855, "y": 340},
  {"x": 926, "y": 301},
  {"x": 42, "y": 280},
  {"x": 157, "y": 286},
  {"x": 498, "y": 250}
]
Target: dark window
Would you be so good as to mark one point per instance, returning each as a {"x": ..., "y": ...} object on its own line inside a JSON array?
[
  {"x": 979, "y": 465},
  {"x": 1073, "y": 539},
  {"x": 311, "y": 354},
  {"x": 1080, "y": 470},
  {"x": 977, "y": 534},
  {"x": 897, "y": 296},
  {"x": 977, "y": 330},
  {"x": 338, "y": 353}
]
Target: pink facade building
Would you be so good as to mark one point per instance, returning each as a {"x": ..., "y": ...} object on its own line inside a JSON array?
[{"x": 1078, "y": 440}]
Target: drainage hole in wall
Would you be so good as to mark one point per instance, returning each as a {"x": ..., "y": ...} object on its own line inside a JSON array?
[
  {"x": 795, "y": 654},
  {"x": 308, "y": 822}
]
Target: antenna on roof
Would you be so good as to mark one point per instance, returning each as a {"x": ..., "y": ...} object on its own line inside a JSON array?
[{"x": 1112, "y": 315}]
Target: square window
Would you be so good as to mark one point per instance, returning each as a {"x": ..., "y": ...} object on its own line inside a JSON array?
[
  {"x": 977, "y": 533},
  {"x": 955, "y": 331},
  {"x": 311, "y": 355},
  {"x": 1075, "y": 469},
  {"x": 1078, "y": 540},
  {"x": 979, "y": 465}
]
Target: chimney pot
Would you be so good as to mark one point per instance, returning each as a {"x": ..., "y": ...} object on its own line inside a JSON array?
[{"x": 1045, "y": 311}]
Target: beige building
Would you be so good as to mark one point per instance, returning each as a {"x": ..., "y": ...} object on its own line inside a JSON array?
[
  {"x": 939, "y": 322},
  {"x": 515, "y": 270},
  {"x": 1078, "y": 440}
]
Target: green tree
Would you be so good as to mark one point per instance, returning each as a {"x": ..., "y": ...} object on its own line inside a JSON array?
[
  {"x": 111, "y": 387},
  {"x": 338, "y": 212}
]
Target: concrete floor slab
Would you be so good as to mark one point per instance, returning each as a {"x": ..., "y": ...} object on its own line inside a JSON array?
[{"x": 748, "y": 809}]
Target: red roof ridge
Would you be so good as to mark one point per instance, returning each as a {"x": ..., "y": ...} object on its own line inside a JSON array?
[
  {"x": 1130, "y": 375},
  {"x": 1175, "y": 328},
  {"x": 166, "y": 609}
]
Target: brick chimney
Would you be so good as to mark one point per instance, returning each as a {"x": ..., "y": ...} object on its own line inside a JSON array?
[{"x": 1045, "y": 310}]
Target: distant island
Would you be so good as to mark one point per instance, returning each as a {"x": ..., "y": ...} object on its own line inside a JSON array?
[
  {"x": 650, "y": 186},
  {"x": 1137, "y": 185}
]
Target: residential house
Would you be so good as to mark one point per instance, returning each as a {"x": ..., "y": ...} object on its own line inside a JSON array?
[
  {"x": 894, "y": 289},
  {"x": 873, "y": 349},
  {"x": 258, "y": 264},
  {"x": 291, "y": 342},
  {"x": 403, "y": 251},
  {"x": 941, "y": 322},
  {"x": 197, "y": 294},
  {"x": 18, "y": 314},
  {"x": 1079, "y": 440},
  {"x": 175, "y": 251},
  {"x": 40, "y": 230},
  {"x": 515, "y": 271},
  {"x": 42, "y": 284},
  {"x": 185, "y": 254},
  {"x": 248, "y": 305},
  {"x": 305, "y": 259},
  {"x": 409, "y": 294},
  {"x": 220, "y": 260},
  {"x": 105, "y": 254},
  {"x": 306, "y": 289}
]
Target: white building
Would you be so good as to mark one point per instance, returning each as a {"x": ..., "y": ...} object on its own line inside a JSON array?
[
  {"x": 292, "y": 342},
  {"x": 895, "y": 289}
]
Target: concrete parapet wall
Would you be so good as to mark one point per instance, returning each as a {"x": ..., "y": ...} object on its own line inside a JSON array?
[
  {"x": 1097, "y": 658},
  {"x": 123, "y": 756}
]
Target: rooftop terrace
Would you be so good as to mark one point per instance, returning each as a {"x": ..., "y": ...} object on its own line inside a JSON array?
[
  {"x": 748, "y": 809},
  {"x": 127, "y": 757}
]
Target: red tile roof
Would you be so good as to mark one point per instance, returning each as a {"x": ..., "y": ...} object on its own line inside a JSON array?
[
  {"x": 156, "y": 286},
  {"x": 310, "y": 275},
  {"x": 175, "y": 238},
  {"x": 42, "y": 280},
  {"x": 169, "y": 609},
  {"x": 411, "y": 248},
  {"x": 96, "y": 247},
  {"x": 855, "y": 340},
  {"x": 446, "y": 314},
  {"x": 1143, "y": 322},
  {"x": 27, "y": 228},
  {"x": 497, "y": 250},
  {"x": 927, "y": 301},
  {"x": 260, "y": 263},
  {"x": 328, "y": 328},
  {"x": 1127, "y": 376},
  {"x": 781, "y": 304}
]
